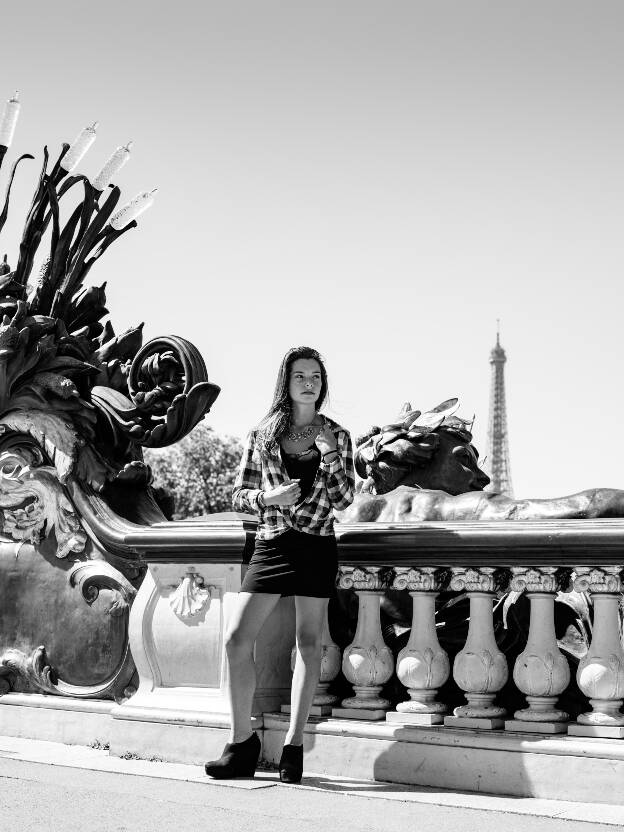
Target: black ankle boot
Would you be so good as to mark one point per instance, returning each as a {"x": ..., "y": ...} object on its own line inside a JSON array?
[
  {"x": 239, "y": 759},
  {"x": 291, "y": 764}
]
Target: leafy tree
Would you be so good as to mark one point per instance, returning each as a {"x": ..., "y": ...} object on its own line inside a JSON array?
[{"x": 199, "y": 471}]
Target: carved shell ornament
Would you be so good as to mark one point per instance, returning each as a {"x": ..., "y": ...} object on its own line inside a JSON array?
[
  {"x": 191, "y": 596},
  {"x": 88, "y": 397}
]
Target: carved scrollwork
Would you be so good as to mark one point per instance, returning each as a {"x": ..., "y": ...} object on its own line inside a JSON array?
[
  {"x": 192, "y": 596},
  {"x": 371, "y": 578},
  {"x": 89, "y": 577},
  {"x": 606, "y": 579},
  {"x": 543, "y": 579},
  {"x": 34, "y": 669},
  {"x": 34, "y": 503},
  {"x": 485, "y": 579},
  {"x": 421, "y": 579},
  {"x": 168, "y": 390}
]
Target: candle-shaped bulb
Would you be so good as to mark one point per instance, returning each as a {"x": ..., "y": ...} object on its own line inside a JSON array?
[
  {"x": 77, "y": 150},
  {"x": 131, "y": 210},
  {"x": 112, "y": 167},
  {"x": 9, "y": 120}
]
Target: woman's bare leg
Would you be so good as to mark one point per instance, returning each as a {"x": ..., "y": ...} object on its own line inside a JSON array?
[
  {"x": 252, "y": 611},
  {"x": 310, "y": 615}
]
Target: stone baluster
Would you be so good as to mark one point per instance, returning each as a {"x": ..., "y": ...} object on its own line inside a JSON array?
[
  {"x": 541, "y": 671},
  {"x": 330, "y": 668},
  {"x": 600, "y": 673},
  {"x": 367, "y": 662},
  {"x": 422, "y": 666},
  {"x": 480, "y": 669}
]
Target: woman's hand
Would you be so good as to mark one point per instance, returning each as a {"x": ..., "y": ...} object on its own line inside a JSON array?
[
  {"x": 325, "y": 440},
  {"x": 284, "y": 495}
]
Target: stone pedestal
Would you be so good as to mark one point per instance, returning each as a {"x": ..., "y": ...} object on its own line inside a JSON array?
[{"x": 177, "y": 627}]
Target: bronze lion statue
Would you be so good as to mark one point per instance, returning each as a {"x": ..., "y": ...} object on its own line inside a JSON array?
[{"x": 424, "y": 466}]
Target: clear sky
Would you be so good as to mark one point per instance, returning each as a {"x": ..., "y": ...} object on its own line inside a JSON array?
[{"x": 381, "y": 180}]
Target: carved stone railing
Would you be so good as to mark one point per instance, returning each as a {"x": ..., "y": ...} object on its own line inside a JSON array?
[
  {"x": 483, "y": 560},
  {"x": 489, "y": 563},
  {"x": 193, "y": 570}
]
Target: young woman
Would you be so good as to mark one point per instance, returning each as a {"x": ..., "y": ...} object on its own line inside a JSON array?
[{"x": 296, "y": 468}]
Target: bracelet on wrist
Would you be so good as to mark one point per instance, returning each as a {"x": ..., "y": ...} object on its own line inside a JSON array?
[{"x": 260, "y": 500}]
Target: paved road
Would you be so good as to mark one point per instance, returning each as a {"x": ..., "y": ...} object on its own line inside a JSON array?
[{"x": 38, "y": 797}]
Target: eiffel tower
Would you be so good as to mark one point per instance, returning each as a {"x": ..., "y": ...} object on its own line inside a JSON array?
[{"x": 497, "y": 442}]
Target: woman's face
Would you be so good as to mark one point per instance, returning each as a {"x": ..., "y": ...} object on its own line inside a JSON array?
[{"x": 304, "y": 385}]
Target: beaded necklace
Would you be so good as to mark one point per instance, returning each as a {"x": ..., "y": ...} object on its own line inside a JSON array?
[{"x": 298, "y": 436}]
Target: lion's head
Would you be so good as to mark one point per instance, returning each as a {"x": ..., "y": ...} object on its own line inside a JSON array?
[{"x": 431, "y": 450}]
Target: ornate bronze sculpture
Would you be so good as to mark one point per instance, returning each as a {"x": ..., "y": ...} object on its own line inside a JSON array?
[
  {"x": 77, "y": 405},
  {"x": 425, "y": 467}
]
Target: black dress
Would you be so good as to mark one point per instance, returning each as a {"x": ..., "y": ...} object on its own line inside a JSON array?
[{"x": 295, "y": 562}]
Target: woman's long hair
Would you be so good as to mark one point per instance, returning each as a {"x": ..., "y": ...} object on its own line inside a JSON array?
[{"x": 277, "y": 420}]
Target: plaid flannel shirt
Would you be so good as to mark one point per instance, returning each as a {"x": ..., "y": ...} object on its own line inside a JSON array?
[{"x": 333, "y": 488}]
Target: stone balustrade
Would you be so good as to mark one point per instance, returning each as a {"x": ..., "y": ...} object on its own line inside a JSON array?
[
  {"x": 411, "y": 708},
  {"x": 519, "y": 558},
  {"x": 480, "y": 669}
]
